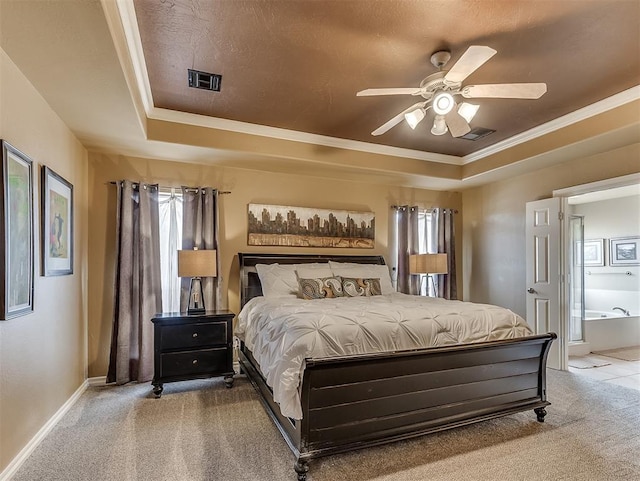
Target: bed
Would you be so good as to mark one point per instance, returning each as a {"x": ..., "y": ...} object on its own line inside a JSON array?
[{"x": 356, "y": 400}]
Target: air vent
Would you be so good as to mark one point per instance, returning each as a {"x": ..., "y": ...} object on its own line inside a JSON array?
[
  {"x": 204, "y": 80},
  {"x": 477, "y": 133}
]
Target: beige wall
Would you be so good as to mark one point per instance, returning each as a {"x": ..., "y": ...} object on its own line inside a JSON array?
[
  {"x": 42, "y": 355},
  {"x": 246, "y": 187},
  {"x": 494, "y": 223}
]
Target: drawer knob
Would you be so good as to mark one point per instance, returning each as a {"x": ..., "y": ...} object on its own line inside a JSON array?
[
  {"x": 195, "y": 334},
  {"x": 195, "y": 361}
]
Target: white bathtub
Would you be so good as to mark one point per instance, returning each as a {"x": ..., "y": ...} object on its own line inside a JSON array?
[
  {"x": 610, "y": 332},
  {"x": 589, "y": 314}
]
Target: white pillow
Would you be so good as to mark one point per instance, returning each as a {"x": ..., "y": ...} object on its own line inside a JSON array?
[
  {"x": 350, "y": 269},
  {"x": 313, "y": 271},
  {"x": 280, "y": 280}
]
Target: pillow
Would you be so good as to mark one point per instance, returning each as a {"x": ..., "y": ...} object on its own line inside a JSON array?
[
  {"x": 322, "y": 288},
  {"x": 353, "y": 287},
  {"x": 280, "y": 280},
  {"x": 364, "y": 271},
  {"x": 313, "y": 271}
]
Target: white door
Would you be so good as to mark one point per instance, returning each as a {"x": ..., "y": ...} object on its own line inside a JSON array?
[{"x": 543, "y": 246}]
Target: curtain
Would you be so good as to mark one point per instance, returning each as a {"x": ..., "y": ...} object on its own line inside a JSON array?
[
  {"x": 170, "y": 241},
  {"x": 200, "y": 229},
  {"x": 447, "y": 283},
  {"x": 137, "y": 289},
  {"x": 407, "y": 238}
]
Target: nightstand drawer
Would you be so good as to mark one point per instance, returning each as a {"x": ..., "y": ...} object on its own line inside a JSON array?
[
  {"x": 186, "y": 336},
  {"x": 195, "y": 362}
]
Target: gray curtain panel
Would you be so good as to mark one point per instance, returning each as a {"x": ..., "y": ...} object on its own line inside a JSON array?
[
  {"x": 137, "y": 289},
  {"x": 200, "y": 229},
  {"x": 406, "y": 227},
  {"x": 447, "y": 283}
]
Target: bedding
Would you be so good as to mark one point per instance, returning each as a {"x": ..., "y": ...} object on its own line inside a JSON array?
[
  {"x": 324, "y": 288},
  {"x": 282, "y": 332},
  {"x": 354, "y": 287},
  {"x": 352, "y": 270},
  {"x": 281, "y": 280}
]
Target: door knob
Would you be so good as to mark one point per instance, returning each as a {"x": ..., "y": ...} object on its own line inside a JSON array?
[{"x": 531, "y": 290}]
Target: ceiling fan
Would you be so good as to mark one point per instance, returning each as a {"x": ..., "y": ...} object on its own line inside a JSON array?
[{"x": 439, "y": 90}]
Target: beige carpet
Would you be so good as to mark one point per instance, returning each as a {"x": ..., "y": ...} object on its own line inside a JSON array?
[
  {"x": 201, "y": 431},
  {"x": 625, "y": 353},
  {"x": 587, "y": 362}
]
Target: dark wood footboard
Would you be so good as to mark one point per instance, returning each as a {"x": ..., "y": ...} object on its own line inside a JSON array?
[{"x": 359, "y": 401}]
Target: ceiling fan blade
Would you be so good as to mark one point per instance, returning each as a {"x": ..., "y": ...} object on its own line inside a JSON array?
[
  {"x": 392, "y": 91},
  {"x": 457, "y": 124},
  {"x": 396, "y": 120},
  {"x": 471, "y": 60},
  {"x": 505, "y": 91}
]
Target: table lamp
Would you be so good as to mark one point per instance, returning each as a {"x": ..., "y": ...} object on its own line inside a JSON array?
[
  {"x": 428, "y": 264},
  {"x": 196, "y": 264}
]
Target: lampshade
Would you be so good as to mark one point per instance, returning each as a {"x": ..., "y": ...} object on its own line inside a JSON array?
[
  {"x": 439, "y": 126},
  {"x": 197, "y": 263},
  {"x": 414, "y": 117},
  {"x": 467, "y": 110},
  {"x": 428, "y": 264}
]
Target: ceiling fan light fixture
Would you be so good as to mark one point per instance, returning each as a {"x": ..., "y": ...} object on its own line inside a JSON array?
[
  {"x": 439, "y": 126},
  {"x": 414, "y": 117},
  {"x": 467, "y": 110},
  {"x": 443, "y": 103}
]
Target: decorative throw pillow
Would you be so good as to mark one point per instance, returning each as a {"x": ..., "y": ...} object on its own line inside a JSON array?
[
  {"x": 354, "y": 287},
  {"x": 322, "y": 288},
  {"x": 365, "y": 271}
]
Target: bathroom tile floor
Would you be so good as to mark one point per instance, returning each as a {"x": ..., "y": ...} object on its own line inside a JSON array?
[{"x": 617, "y": 371}]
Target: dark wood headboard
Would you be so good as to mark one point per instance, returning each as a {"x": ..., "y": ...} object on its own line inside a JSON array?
[{"x": 250, "y": 282}]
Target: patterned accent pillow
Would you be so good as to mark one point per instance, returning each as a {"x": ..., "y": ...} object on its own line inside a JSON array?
[
  {"x": 323, "y": 288},
  {"x": 355, "y": 287}
]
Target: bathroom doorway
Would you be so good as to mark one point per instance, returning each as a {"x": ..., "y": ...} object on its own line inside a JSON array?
[{"x": 602, "y": 293}]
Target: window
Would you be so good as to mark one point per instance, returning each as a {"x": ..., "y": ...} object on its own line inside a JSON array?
[
  {"x": 427, "y": 244},
  {"x": 170, "y": 210}
]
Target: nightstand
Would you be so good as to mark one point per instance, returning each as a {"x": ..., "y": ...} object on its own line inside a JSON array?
[{"x": 192, "y": 347}]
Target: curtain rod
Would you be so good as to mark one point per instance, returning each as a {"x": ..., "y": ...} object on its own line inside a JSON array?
[
  {"x": 114, "y": 182},
  {"x": 455, "y": 211}
]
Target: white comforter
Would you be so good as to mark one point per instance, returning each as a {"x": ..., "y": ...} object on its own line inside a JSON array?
[{"x": 283, "y": 332}]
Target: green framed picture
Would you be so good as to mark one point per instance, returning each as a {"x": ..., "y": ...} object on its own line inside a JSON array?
[{"x": 16, "y": 297}]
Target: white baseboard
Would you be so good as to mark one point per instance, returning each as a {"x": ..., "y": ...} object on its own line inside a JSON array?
[
  {"x": 97, "y": 381},
  {"x": 22, "y": 456},
  {"x": 579, "y": 348}
]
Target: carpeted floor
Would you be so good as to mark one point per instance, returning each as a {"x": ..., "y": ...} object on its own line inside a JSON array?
[{"x": 200, "y": 430}]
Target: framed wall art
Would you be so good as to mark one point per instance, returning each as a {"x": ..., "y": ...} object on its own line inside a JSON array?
[
  {"x": 57, "y": 224},
  {"x": 624, "y": 251},
  {"x": 278, "y": 225},
  {"x": 16, "y": 254},
  {"x": 592, "y": 254}
]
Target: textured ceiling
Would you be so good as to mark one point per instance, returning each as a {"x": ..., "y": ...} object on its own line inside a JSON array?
[{"x": 297, "y": 64}]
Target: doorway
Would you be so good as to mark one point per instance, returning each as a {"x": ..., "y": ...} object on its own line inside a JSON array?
[{"x": 602, "y": 311}]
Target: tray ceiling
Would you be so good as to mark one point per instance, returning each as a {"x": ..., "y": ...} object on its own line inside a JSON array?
[{"x": 297, "y": 65}]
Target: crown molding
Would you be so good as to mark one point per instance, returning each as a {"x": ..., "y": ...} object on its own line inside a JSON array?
[
  {"x": 296, "y": 136},
  {"x": 592, "y": 110}
]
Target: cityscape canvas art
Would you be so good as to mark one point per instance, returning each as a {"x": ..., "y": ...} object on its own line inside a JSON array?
[{"x": 277, "y": 225}]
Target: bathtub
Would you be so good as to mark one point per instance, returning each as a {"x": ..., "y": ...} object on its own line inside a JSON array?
[
  {"x": 605, "y": 330},
  {"x": 590, "y": 314}
]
